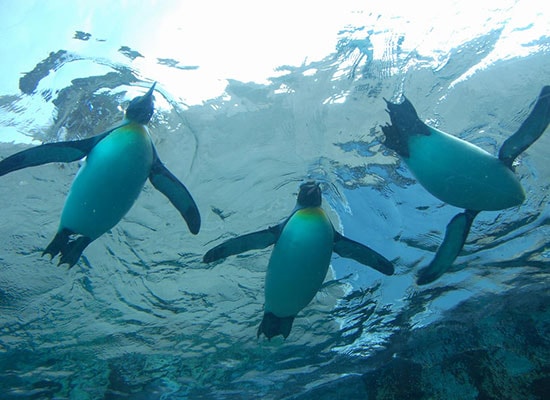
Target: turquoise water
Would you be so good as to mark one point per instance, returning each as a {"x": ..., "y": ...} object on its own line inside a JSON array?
[{"x": 251, "y": 101}]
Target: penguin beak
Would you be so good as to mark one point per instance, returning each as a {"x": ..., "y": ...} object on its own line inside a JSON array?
[
  {"x": 313, "y": 188},
  {"x": 149, "y": 93},
  {"x": 141, "y": 108}
]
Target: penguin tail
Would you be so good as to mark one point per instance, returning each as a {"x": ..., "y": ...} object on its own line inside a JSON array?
[
  {"x": 272, "y": 326},
  {"x": 70, "y": 250}
]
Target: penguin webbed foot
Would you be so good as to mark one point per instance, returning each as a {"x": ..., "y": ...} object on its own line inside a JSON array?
[
  {"x": 69, "y": 249},
  {"x": 404, "y": 124},
  {"x": 395, "y": 140},
  {"x": 272, "y": 326},
  {"x": 59, "y": 241},
  {"x": 74, "y": 250}
]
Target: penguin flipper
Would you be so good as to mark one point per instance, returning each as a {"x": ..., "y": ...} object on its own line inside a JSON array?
[
  {"x": 455, "y": 236},
  {"x": 166, "y": 183},
  {"x": 359, "y": 252},
  {"x": 240, "y": 244},
  {"x": 529, "y": 131},
  {"x": 51, "y": 152}
]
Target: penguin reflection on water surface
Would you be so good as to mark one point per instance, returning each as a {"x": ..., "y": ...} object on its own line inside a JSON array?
[
  {"x": 118, "y": 162},
  {"x": 299, "y": 262},
  {"x": 461, "y": 174}
]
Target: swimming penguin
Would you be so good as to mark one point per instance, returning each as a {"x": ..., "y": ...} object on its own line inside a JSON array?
[
  {"x": 118, "y": 162},
  {"x": 459, "y": 173},
  {"x": 299, "y": 262}
]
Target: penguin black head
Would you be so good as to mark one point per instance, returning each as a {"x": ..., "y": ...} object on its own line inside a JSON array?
[
  {"x": 309, "y": 195},
  {"x": 141, "y": 108}
]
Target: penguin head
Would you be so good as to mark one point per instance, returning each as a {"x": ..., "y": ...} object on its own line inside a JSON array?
[
  {"x": 141, "y": 108},
  {"x": 309, "y": 195}
]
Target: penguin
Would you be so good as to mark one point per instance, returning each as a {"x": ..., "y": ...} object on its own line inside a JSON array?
[
  {"x": 460, "y": 173},
  {"x": 118, "y": 162},
  {"x": 303, "y": 246}
]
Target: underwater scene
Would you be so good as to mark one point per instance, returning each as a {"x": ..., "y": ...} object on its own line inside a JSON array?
[{"x": 288, "y": 200}]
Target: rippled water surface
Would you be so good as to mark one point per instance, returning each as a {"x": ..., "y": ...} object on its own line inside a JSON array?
[{"x": 251, "y": 100}]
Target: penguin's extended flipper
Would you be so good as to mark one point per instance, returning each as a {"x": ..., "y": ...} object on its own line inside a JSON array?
[
  {"x": 529, "y": 131},
  {"x": 51, "y": 152},
  {"x": 272, "y": 326},
  {"x": 359, "y": 252},
  {"x": 455, "y": 236},
  {"x": 166, "y": 183},
  {"x": 240, "y": 244}
]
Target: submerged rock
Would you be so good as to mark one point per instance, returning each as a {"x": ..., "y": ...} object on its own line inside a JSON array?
[{"x": 492, "y": 347}]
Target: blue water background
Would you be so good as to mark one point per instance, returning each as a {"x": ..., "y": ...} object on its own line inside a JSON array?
[{"x": 251, "y": 101}]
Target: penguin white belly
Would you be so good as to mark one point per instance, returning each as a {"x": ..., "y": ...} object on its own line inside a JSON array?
[
  {"x": 299, "y": 262},
  {"x": 461, "y": 174},
  {"x": 109, "y": 182}
]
